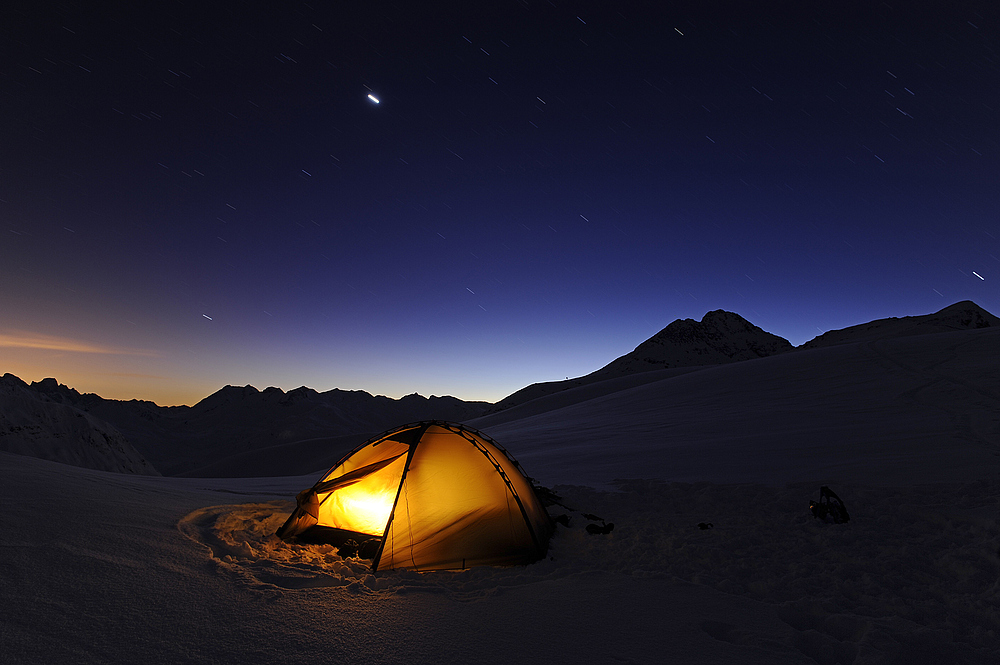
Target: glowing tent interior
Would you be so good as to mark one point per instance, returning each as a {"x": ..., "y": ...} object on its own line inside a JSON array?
[{"x": 426, "y": 496}]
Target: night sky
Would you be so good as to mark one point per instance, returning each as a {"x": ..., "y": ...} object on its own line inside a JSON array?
[{"x": 194, "y": 195}]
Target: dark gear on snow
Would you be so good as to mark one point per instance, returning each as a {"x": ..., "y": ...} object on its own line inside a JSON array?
[{"x": 829, "y": 508}]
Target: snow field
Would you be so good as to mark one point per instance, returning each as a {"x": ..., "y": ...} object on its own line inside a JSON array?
[
  {"x": 917, "y": 561},
  {"x": 916, "y": 571}
]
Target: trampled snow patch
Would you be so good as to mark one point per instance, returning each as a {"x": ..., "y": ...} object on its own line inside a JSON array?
[{"x": 240, "y": 540}]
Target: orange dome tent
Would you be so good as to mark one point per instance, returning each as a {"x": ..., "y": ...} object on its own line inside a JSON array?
[{"x": 429, "y": 496}]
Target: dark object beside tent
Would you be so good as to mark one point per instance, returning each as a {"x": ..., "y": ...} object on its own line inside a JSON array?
[{"x": 829, "y": 508}]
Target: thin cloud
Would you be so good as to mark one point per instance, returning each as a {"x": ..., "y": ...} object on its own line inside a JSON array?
[{"x": 28, "y": 340}]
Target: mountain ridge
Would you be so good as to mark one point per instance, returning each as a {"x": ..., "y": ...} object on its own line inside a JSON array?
[
  {"x": 710, "y": 347},
  {"x": 238, "y": 427},
  {"x": 963, "y": 315},
  {"x": 32, "y": 423},
  {"x": 240, "y": 421}
]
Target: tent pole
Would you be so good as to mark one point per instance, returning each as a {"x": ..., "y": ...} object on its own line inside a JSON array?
[{"x": 402, "y": 479}]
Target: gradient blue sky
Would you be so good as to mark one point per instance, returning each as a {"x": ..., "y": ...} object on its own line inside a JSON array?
[{"x": 201, "y": 194}]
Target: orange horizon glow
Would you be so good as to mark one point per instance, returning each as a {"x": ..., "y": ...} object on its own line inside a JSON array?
[
  {"x": 160, "y": 390},
  {"x": 178, "y": 375}
]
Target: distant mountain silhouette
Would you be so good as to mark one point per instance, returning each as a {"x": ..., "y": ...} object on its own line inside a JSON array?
[
  {"x": 32, "y": 423},
  {"x": 963, "y": 315},
  {"x": 239, "y": 430},
  {"x": 235, "y": 427}
]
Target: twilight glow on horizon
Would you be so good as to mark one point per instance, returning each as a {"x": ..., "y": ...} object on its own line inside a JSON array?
[{"x": 464, "y": 201}]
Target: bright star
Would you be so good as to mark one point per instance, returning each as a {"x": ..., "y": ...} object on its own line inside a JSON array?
[{"x": 373, "y": 98}]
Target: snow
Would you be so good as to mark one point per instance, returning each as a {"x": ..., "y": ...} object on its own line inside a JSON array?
[
  {"x": 100, "y": 567},
  {"x": 111, "y": 568}
]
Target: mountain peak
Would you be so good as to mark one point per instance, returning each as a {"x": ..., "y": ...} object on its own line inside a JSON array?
[
  {"x": 227, "y": 394},
  {"x": 55, "y": 391},
  {"x": 966, "y": 314},
  {"x": 720, "y": 337},
  {"x": 11, "y": 380}
]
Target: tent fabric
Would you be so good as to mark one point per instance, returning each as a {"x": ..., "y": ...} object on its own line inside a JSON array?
[{"x": 438, "y": 495}]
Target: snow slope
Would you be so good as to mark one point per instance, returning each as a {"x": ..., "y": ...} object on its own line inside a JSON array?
[
  {"x": 893, "y": 411},
  {"x": 964, "y": 315}
]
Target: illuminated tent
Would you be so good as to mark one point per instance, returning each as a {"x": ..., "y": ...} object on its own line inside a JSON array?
[{"x": 425, "y": 496}]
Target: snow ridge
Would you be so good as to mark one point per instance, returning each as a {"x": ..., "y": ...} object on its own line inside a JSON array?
[{"x": 965, "y": 315}]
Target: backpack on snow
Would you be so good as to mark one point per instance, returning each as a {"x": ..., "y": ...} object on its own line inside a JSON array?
[{"x": 829, "y": 508}]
